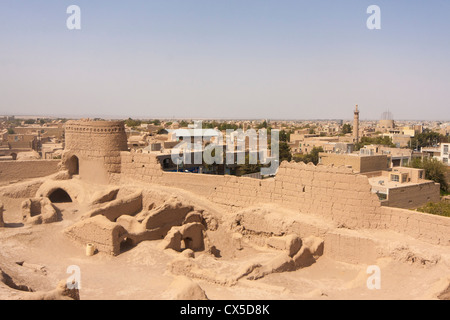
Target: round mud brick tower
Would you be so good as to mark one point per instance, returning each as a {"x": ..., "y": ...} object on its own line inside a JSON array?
[{"x": 93, "y": 148}]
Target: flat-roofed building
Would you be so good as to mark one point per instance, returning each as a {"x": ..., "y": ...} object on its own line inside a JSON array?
[
  {"x": 360, "y": 163},
  {"x": 404, "y": 187}
]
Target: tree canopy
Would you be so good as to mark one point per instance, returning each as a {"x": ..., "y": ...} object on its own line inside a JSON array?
[
  {"x": 220, "y": 126},
  {"x": 384, "y": 141},
  {"x": 285, "y": 152},
  {"x": 346, "y": 128},
  {"x": 248, "y": 168},
  {"x": 439, "y": 208},
  {"x": 284, "y": 136},
  {"x": 434, "y": 170},
  {"x": 313, "y": 156},
  {"x": 427, "y": 138},
  {"x": 133, "y": 123}
]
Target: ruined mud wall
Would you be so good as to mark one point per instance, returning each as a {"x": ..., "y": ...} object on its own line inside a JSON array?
[
  {"x": 336, "y": 194},
  {"x": 97, "y": 145},
  {"x": 18, "y": 170},
  {"x": 128, "y": 205},
  {"x": 430, "y": 228}
]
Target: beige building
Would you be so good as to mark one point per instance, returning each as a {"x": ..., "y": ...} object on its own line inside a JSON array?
[
  {"x": 56, "y": 132},
  {"x": 137, "y": 141},
  {"x": 328, "y": 144},
  {"x": 400, "y": 140},
  {"x": 385, "y": 125},
  {"x": 359, "y": 163},
  {"x": 398, "y": 156},
  {"x": 300, "y": 135},
  {"x": 22, "y": 141},
  {"x": 52, "y": 150},
  {"x": 404, "y": 188}
]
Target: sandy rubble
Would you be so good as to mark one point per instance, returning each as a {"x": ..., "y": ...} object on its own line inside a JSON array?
[{"x": 34, "y": 259}]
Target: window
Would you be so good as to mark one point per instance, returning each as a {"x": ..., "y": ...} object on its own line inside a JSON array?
[
  {"x": 445, "y": 160},
  {"x": 446, "y": 149},
  {"x": 395, "y": 177},
  {"x": 404, "y": 178}
]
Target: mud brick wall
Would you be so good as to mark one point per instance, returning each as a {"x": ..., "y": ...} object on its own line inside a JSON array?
[
  {"x": 333, "y": 193},
  {"x": 19, "y": 170},
  {"x": 430, "y": 228},
  {"x": 105, "y": 235}
]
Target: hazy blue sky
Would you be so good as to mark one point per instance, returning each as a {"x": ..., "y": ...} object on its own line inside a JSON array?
[{"x": 226, "y": 59}]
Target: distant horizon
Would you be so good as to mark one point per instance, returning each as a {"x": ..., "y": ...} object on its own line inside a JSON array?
[{"x": 108, "y": 117}]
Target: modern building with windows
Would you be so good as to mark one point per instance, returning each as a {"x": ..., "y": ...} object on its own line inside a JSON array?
[
  {"x": 445, "y": 147},
  {"x": 440, "y": 153}
]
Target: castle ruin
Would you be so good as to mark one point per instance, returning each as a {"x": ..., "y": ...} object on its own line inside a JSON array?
[{"x": 121, "y": 200}]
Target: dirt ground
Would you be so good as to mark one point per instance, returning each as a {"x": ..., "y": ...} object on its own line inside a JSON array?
[{"x": 39, "y": 256}]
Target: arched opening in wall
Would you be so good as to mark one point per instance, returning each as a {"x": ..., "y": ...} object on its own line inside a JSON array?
[
  {"x": 73, "y": 164},
  {"x": 126, "y": 244},
  {"x": 186, "y": 243},
  {"x": 14, "y": 156},
  {"x": 59, "y": 196}
]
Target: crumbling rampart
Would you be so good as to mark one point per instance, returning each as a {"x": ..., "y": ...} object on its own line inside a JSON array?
[{"x": 333, "y": 193}]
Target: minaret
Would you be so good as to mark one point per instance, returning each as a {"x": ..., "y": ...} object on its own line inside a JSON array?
[{"x": 356, "y": 125}]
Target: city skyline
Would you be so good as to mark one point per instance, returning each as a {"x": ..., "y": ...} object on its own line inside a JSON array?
[{"x": 226, "y": 60}]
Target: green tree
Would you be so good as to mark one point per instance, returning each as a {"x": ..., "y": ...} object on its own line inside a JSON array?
[
  {"x": 133, "y": 123},
  {"x": 248, "y": 168},
  {"x": 313, "y": 156},
  {"x": 439, "y": 208},
  {"x": 384, "y": 141},
  {"x": 11, "y": 131},
  {"x": 434, "y": 170},
  {"x": 183, "y": 124},
  {"x": 347, "y": 128},
  {"x": 285, "y": 152},
  {"x": 284, "y": 136},
  {"x": 427, "y": 138},
  {"x": 263, "y": 125}
]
